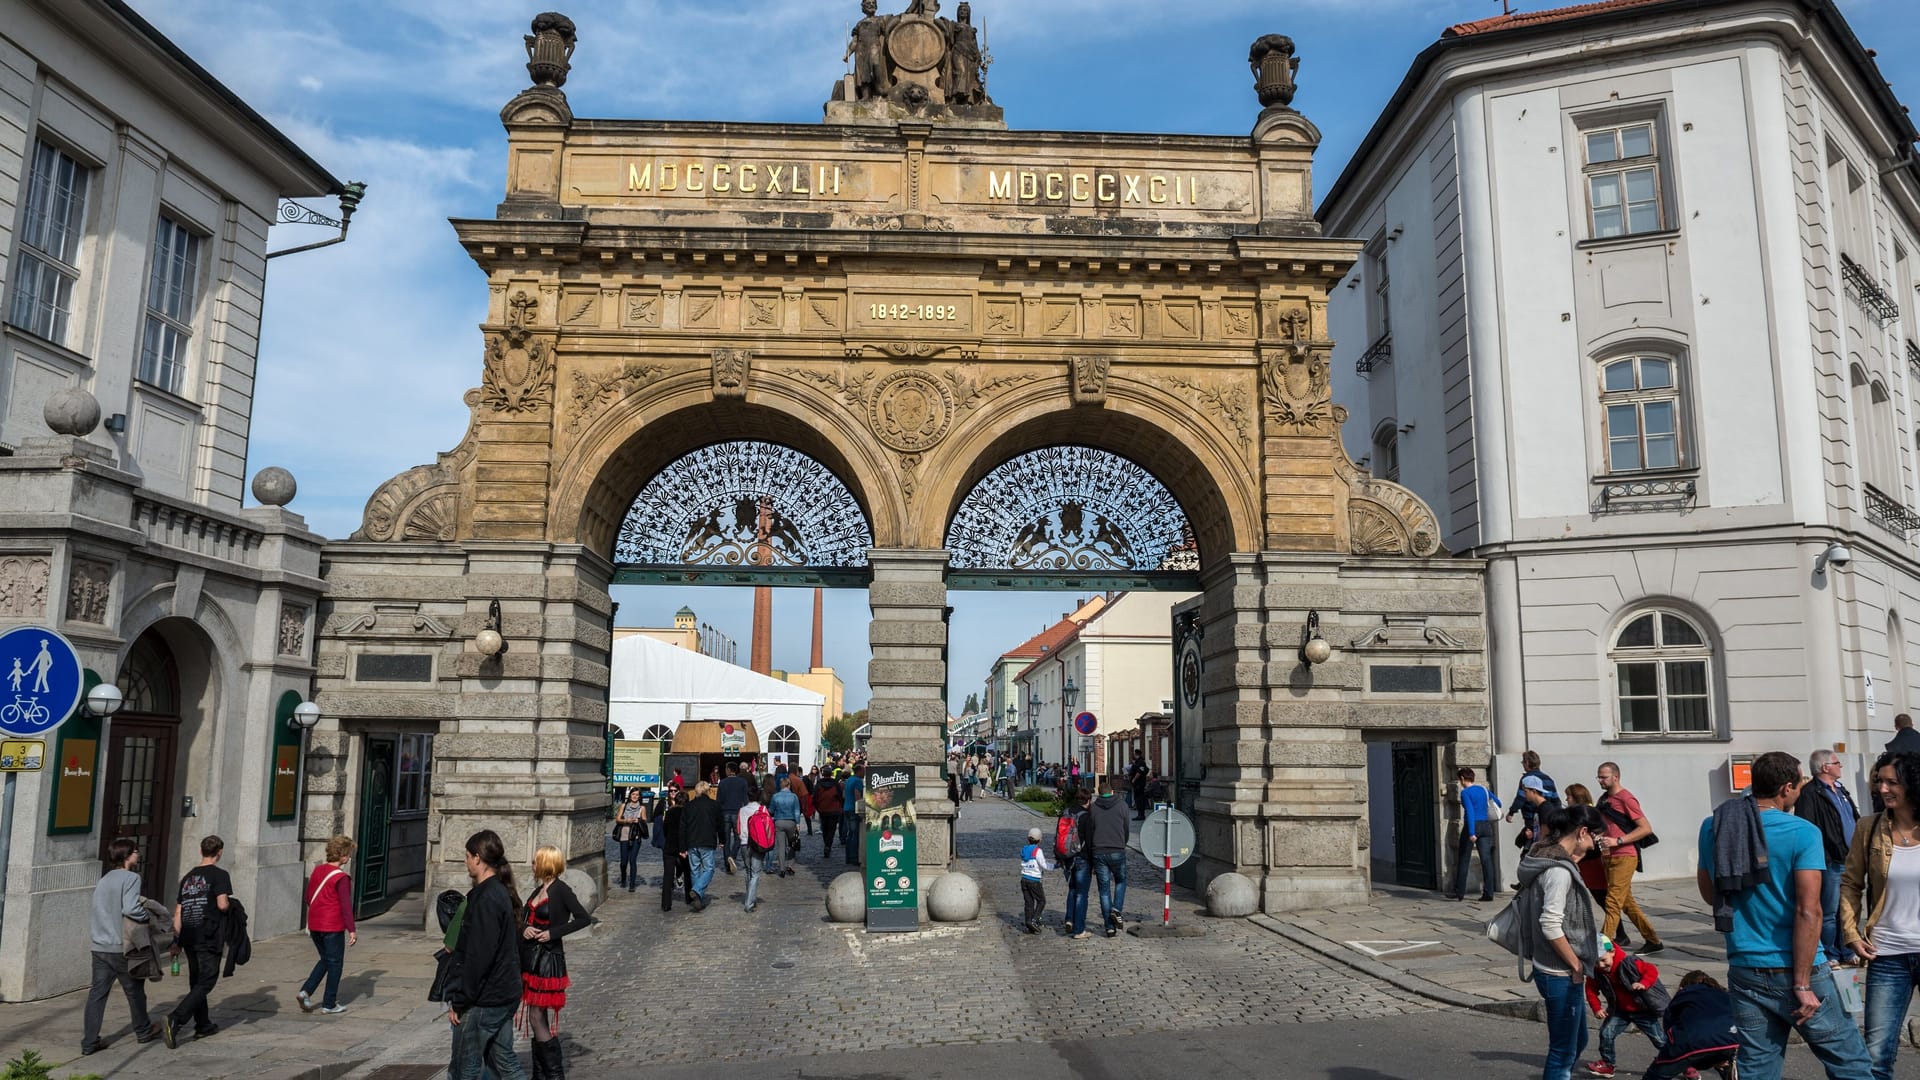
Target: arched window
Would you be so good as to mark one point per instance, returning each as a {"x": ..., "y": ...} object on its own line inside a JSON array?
[
  {"x": 658, "y": 733},
  {"x": 1662, "y": 667},
  {"x": 149, "y": 682},
  {"x": 1386, "y": 450},
  {"x": 783, "y": 744},
  {"x": 1641, "y": 410}
]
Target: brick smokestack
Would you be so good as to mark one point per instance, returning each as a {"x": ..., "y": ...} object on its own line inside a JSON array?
[
  {"x": 761, "y": 657},
  {"x": 819, "y": 628}
]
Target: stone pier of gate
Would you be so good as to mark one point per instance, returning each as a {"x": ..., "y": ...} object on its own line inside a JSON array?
[{"x": 910, "y": 295}]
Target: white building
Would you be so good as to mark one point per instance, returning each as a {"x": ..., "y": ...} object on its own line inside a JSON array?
[
  {"x": 1117, "y": 665},
  {"x": 656, "y": 687},
  {"x": 1636, "y": 317},
  {"x": 136, "y": 193}
]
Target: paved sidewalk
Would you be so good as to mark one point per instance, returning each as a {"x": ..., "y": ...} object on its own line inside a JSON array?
[
  {"x": 1438, "y": 948},
  {"x": 263, "y": 1034}
]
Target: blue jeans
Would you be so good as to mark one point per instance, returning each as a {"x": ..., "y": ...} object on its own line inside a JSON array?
[
  {"x": 1890, "y": 984},
  {"x": 1079, "y": 874},
  {"x": 1566, "y": 1023},
  {"x": 332, "y": 947},
  {"x": 1614, "y": 1024},
  {"x": 630, "y": 863},
  {"x": 483, "y": 1040},
  {"x": 1483, "y": 840},
  {"x": 701, "y": 862},
  {"x": 850, "y": 836},
  {"x": 1110, "y": 868},
  {"x": 1830, "y": 913},
  {"x": 1763, "y": 1005}
]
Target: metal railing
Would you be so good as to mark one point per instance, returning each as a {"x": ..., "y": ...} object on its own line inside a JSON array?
[
  {"x": 1868, "y": 292},
  {"x": 1380, "y": 352},
  {"x": 1888, "y": 512}
]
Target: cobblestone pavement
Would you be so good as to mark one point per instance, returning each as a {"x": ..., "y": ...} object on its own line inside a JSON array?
[{"x": 783, "y": 972}]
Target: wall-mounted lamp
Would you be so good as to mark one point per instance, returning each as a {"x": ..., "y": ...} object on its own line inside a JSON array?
[
  {"x": 488, "y": 640},
  {"x": 104, "y": 699},
  {"x": 117, "y": 423},
  {"x": 305, "y": 715},
  {"x": 1313, "y": 648},
  {"x": 1837, "y": 554}
]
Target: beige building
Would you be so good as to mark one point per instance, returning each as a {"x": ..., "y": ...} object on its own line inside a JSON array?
[
  {"x": 1116, "y": 664},
  {"x": 136, "y": 195}
]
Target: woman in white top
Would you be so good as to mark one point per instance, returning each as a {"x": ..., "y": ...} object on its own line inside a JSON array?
[
  {"x": 756, "y": 861},
  {"x": 1884, "y": 865}
]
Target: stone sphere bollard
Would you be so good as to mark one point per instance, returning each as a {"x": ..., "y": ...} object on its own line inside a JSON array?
[
  {"x": 72, "y": 412},
  {"x": 954, "y": 897},
  {"x": 274, "y": 486},
  {"x": 847, "y": 898},
  {"x": 585, "y": 888},
  {"x": 1232, "y": 896}
]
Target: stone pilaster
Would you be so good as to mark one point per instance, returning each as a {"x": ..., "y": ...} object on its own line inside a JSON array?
[{"x": 908, "y": 674}]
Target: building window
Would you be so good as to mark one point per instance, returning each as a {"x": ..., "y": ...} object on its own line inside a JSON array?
[
  {"x": 414, "y": 778},
  {"x": 1661, "y": 664},
  {"x": 49, "y": 260},
  {"x": 1623, "y": 180},
  {"x": 1640, "y": 404},
  {"x": 658, "y": 733},
  {"x": 784, "y": 744},
  {"x": 1386, "y": 451},
  {"x": 1379, "y": 314},
  {"x": 170, "y": 297}
]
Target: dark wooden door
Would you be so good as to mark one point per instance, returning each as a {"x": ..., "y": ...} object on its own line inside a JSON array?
[
  {"x": 1415, "y": 817},
  {"x": 139, "y": 796},
  {"x": 376, "y": 815}
]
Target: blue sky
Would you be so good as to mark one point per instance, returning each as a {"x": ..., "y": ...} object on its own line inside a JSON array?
[{"x": 368, "y": 346}]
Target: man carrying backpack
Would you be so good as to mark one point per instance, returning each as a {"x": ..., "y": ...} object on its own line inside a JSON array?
[
  {"x": 1069, "y": 835},
  {"x": 1107, "y": 828}
]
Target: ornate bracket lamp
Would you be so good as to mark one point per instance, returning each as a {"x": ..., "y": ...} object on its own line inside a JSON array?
[
  {"x": 488, "y": 640},
  {"x": 1069, "y": 692},
  {"x": 1313, "y": 648}
]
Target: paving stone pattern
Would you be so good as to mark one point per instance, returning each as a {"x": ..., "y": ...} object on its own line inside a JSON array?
[{"x": 723, "y": 985}]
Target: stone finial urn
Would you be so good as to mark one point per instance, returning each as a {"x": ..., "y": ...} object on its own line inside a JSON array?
[
  {"x": 550, "y": 49},
  {"x": 1274, "y": 67}
]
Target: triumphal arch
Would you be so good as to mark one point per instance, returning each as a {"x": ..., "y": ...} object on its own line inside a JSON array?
[{"x": 902, "y": 302}]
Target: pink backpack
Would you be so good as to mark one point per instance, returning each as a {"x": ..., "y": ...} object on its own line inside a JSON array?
[{"x": 760, "y": 829}]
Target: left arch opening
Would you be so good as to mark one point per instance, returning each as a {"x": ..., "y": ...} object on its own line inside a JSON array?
[{"x": 743, "y": 504}]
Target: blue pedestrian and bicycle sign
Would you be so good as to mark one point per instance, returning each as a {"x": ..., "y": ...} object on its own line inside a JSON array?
[{"x": 40, "y": 681}]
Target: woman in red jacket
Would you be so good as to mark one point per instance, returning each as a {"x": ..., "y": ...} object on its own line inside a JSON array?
[{"x": 330, "y": 923}]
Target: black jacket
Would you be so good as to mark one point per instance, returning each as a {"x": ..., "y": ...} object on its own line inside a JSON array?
[
  {"x": 1106, "y": 825},
  {"x": 700, "y": 824},
  {"x": 233, "y": 935},
  {"x": 564, "y": 916},
  {"x": 488, "y": 954},
  {"x": 1905, "y": 741},
  {"x": 1816, "y": 806},
  {"x": 667, "y": 831},
  {"x": 733, "y": 793}
]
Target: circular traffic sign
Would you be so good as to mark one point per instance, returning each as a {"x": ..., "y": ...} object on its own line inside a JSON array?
[
  {"x": 1085, "y": 723},
  {"x": 40, "y": 680},
  {"x": 1167, "y": 833}
]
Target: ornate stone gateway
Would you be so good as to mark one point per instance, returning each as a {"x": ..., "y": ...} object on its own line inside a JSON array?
[{"x": 905, "y": 340}]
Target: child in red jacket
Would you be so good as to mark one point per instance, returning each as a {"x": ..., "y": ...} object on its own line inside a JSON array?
[{"x": 1624, "y": 992}]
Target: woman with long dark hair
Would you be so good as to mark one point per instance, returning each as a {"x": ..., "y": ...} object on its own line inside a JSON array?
[
  {"x": 482, "y": 997},
  {"x": 1553, "y": 912},
  {"x": 629, "y": 829},
  {"x": 551, "y": 913},
  {"x": 1883, "y": 870}
]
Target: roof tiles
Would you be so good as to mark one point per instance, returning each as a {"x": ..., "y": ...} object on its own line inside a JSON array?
[{"x": 1537, "y": 18}]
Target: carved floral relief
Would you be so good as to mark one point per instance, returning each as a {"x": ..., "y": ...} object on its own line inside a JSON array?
[
  {"x": 23, "y": 585},
  {"x": 293, "y": 629},
  {"x": 519, "y": 367}
]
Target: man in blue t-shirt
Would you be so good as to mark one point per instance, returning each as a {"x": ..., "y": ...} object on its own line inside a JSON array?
[{"x": 1776, "y": 974}]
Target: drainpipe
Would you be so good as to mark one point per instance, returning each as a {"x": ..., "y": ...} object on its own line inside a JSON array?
[{"x": 292, "y": 213}]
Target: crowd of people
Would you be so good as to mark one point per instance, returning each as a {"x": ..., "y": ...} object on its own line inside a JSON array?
[{"x": 1802, "y": 885}]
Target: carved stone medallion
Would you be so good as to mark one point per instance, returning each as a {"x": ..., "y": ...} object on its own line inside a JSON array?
[
  {"x": 518, "y": 376},
  {"x": 916, "y": 43},
  {"x": 910, "y": 411}
]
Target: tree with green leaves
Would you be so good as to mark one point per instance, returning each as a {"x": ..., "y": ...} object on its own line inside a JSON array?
[
  {"x": 839, "y": 731},
  {"x": 973, "y": 705}
]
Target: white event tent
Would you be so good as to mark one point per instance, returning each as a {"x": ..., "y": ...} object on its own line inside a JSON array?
[{"x": 660, "y": 685}]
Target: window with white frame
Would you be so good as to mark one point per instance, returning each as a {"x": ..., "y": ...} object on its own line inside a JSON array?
[
  {"x": 1622, "y": 174},
  {"x": 172, "y": 284},
  {"x": 784, "y": 744},
  {"x": 1379, "y": 311},
  {"x": 1386, "y": 450},
  {"x": 658, "y": 733},
  {"x": 413, "y": 784},
  {"x": 1662, "y": 667},
  {"x": 1640, "y": 406},
  {"x": 48, "y": 265}
]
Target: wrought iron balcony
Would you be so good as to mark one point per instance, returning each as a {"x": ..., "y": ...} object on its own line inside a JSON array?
[
  {"x": 1913, "y": 358},
  {"x": 1888, "y": 512},
  {"x": 1380, "y": 352},
  {"x": 1647, "y": 496},
  {"x": 1867, "y": 292}
]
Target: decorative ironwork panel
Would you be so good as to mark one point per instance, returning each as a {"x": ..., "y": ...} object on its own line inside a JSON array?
[
  {"x": 1868, "y": 292},
  {"x": 1888, "y": 512},
  {"x": 744, "y": 504},
  {"x": 1378, "y": 354},
  {"x": 1071, "y": 508}
]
